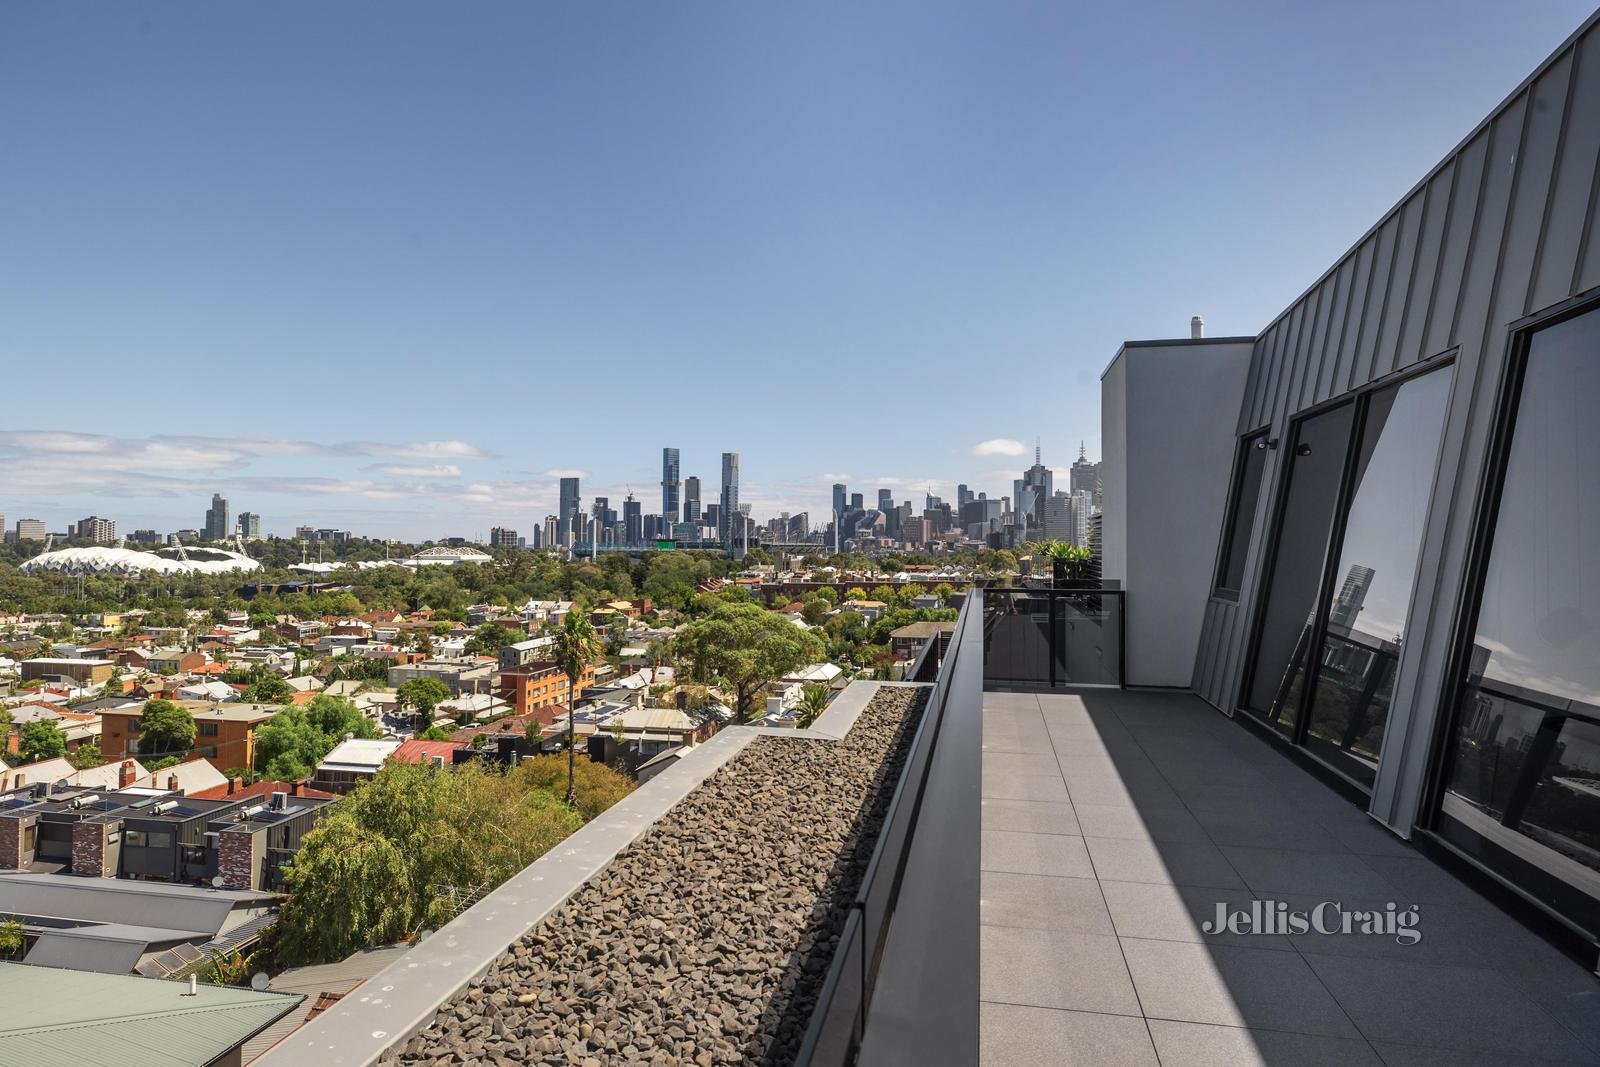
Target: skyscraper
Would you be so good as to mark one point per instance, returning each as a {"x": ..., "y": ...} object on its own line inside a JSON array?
[
  {"x": 1037, "y": 486},
  {"x": 886, "y": 500},
  {"x": 691, "y": 499},
  {"x": 100, "y": 531},
  {"x": 669, "y": 484},
  {"x": 502, "y": 537},
  {"x": 963, "y": 496},
  {"x": 567, "y": 510},
  {"x": 727, "y": 526},
  {"x": 1084, "y": 475},
  {"x": 838, "y": 515},
  {"x": 217, "y": 527},
  {"x": 249, "y": 524},
  {"x": 632, "y": 521}
]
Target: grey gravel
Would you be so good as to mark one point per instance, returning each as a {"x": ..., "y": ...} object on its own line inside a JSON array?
[{"x": 707, "y": 940}]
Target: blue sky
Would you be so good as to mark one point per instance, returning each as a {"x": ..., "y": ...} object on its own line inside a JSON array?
[{"x": 389, "y": 266}]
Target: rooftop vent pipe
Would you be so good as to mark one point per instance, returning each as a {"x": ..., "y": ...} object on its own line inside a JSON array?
[{"x": 1197, "y": 328}]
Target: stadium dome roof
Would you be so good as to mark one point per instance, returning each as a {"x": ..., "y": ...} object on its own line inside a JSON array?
[{"x": 102, "y": 559}]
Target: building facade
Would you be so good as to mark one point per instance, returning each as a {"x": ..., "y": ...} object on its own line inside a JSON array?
[
  {"x": 216, "y": 525},
  {"x": 728, "y": 517},
  {"x": 669, "y": 486},
  {"x": 1404, "y": 587}
]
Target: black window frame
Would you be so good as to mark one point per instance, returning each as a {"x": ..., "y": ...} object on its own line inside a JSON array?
[
  {"x": 1255, "y": 440},
  {"x": 1469, "y": 603}
]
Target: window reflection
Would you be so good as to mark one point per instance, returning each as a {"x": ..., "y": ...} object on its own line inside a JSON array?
[
  {"x": 1316, "y": 461},
  {"x": 1525, "y": 774},
  {"x": 1377, "y": 568}
]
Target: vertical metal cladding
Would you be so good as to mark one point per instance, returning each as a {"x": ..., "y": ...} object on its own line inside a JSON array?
[{"x": 1501, "y": 229}]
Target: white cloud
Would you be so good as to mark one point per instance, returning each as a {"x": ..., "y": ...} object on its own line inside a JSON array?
[
  {"x": 417, "y": 470},
  {"x": 1000, "y": 446}
]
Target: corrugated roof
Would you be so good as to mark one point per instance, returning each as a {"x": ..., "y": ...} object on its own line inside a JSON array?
[{"x": 103, "y": 1020}]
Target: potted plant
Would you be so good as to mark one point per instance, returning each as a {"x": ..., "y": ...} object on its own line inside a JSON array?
[{"x": 1069, "y": 563}]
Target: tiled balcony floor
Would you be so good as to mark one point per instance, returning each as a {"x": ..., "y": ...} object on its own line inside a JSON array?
[{"x": 1114, "y": 822}]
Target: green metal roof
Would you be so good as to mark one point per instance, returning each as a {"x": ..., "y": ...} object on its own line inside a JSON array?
[{"x": 112, "y": 1020}]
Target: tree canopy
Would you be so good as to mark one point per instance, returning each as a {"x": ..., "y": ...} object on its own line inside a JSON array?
[
  {"x": 748, "y": 647},
  {"x": 165, "y": 729},
  {"x": 39, "y": 740},
  {"x": 422, "y": 695},
  {"x": 395, "y": 855},
  {"x": 295, "y": 740}
]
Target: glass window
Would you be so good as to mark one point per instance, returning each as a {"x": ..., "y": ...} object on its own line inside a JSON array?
[
  {"x": 1365, "y": 621},
  {"x": 208, "y": 729},
  {"x": 1523, "y": 787},
  {"x": 1315, "y": 467},
  {"x": 1251, "y": 461}
]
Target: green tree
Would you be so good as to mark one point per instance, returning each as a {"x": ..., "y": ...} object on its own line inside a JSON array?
[
  {"x": 335, "y": 717},
  {"x": 165, "y": 729},
  {"x": 41, "y": 739},
  {"x": 269, "y": 689},
  {"x": 440, "y": 733},
  {"x": 489, "y": 639},
  {"x": 422, "y": 695},
  {"x": 944, "y": 591},
  {"x": 576, "y": 646},
  {"x": 397, "y": 854},
  {"x": 813, "y": 701},
  {"x": 748, "y": 647},
  {"x": 12, "y": 938},
  {"x": 86, "y": 755}
]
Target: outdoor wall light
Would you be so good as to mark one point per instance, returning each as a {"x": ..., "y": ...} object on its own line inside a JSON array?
[{"x": 1268, "y": 443}]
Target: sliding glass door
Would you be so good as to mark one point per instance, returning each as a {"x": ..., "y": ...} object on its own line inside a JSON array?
[
  {"x": 1315, "y": 466},
  {"x": 1364, "y": 622},
  {"x": 1522, "y": 782},
  {"x": 1344, "y": 563}
]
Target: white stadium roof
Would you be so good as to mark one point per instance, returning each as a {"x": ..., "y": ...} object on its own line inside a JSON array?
[{"x": 102, "y": 559}]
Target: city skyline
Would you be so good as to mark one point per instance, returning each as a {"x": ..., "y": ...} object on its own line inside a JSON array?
[
  {"x": 682, "y": 197},
  {"x": 451, "y": 506}
]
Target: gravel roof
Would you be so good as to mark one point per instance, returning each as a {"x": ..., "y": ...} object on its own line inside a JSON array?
[{"x": 707, "y": 939}]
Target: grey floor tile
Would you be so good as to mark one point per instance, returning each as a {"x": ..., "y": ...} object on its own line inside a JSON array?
[
  {"x": 1423, "y": 880},
  {"x": 1016, "y": 737},
  {"x": 1144, "y": 822},
  {"x": 1113, "y": 788},
  {"x": 1030, "y": 816},
  {"x": 1395, "y": 1055},
  {"x": 1037, "y": 902},
  {"x": 1358, "y": 832},
  {"x": 1260, "y": 826},
  {"x": 1047, "y": 787},
  {"x": 1179, "y": 913},
  {"x": 1446, "y": 933},
  {"x": 1469, "y": 1009},
  {"x": 1005, "y": 764},
  {"x": 1058, "y": 855},
  {"x": 1052, "y": 969},
  {"x": 1207, "y": 1045},
  {"x": 1163, "y": 862},
  {"x": 1333, "y": 874},
  {"x": 1010, "y": 702},
  {"x": 1010, "y": 1035},
  {"x": 1232, "y": 987}
]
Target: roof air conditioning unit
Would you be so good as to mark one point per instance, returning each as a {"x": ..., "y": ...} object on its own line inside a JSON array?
[{"x": 280, "y": 801}]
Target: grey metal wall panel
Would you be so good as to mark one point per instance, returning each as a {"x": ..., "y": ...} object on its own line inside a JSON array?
[
  {"x": 1529, "y": 218},
  {"x": 1506, "y": 225},
  {"x": 1572, "y": 182},
  {"x": 1385, "y": 354},
  {"x": 1436, "y": 207},
  {"x": 1377, "y": 302},
  {"x": 1457, "y": 239},
  {"x": 1344, "y": 282}
]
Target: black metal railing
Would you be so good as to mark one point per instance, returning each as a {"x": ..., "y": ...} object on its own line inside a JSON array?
[
  {"x": 1048, "y": 636},
  {"x": 839, "y": 1021}
]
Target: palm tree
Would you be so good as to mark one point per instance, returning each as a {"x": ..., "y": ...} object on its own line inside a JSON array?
[
  {"x": 576, "y": 646},
  {"x": 814, "y": 699}
]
